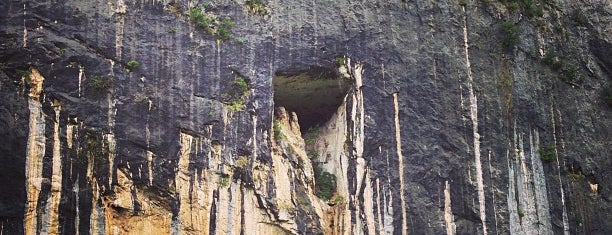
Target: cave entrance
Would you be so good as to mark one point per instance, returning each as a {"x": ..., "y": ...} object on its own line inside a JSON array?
[{"x": 314, "y": 95}]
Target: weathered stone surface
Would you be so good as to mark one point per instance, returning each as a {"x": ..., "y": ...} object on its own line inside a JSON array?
[{"x": 445, "y": 130}]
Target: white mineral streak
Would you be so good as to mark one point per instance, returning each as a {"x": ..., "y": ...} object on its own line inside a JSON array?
[
  {"x": 513, "y": 209},
  {"x": 388, "y": 217},
  {"x": 70, "y": 132},
  {"x": 81, "y": 74},
  {"x": 150, "y": 166},
  {"x": 398, "y": 146},
  {"x": 254, "y": 154},
  {"x": 97, "y": 219},
  {"x": 385, "y": 212},
  {"x": 527, "y": 199},
  {"x": 25, "y": 29},
  {"x": 36, "y": 84},
  {"x": 233, "y": 217},
  {"x": 75, "y": 190},
  {"x": 56, "y": 176},
  {"x": 566, "y": 228},
  {"x": 368, "y": 203},
  {"x": 526, "y": 204},
  {"x": 110, "y": 137},
  {"x": 149, "y": 154},
  {"x": 539, "y": 183},
  {"x": 495, "y": 212},
  {"x": 358, "y": 112},
  {"x": 476, "y": 135},
  {"x": 34, "y": 153},
  {"x": 362, "y": 173},
  {"x": 449, "y": 219},
  {"x": 119, "y": 11},
  {"x": 379, "y": 217},
  {"x": 182, "y": 184},
  {"x": 94, "y": 227},
  {"x": 387, "y": 197},
  {"x": 333, "y": 159},
  {"x": 282, "y": 173}
]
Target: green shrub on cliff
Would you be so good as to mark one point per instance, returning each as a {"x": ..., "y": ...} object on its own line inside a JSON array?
[
  {"x": 547, "y": 153},
  {"x": 340, "y": 60},
  {"x": 256, "y": 7},
  {"x": 237, "y": 105},
  {"x": 93, "y": 147},
  {"x": 510, "y": 35},
  {"x": 243, "y": 92},
  {"x": 242, "y": 161},
  {"x": 512, "y": 6},
  {"x": 553, "y": 60},
  {"x": 199, "y": 18},
  {"x": 224, "y": 181},
  {"x": 132, "y": 64},
  {"x": 533, "y": 8},
  {"x": 101, "y": 83},
  {"x": 575, "y": 175},
  {"x": 325, "y": 183},
  {"x": 278, "y": 135},
  {"x": 211, "y": 23},
  {"x": 224, "y": 29},
  {"x": 241, "y": 84},
  {"x": 25, "y": 75}
]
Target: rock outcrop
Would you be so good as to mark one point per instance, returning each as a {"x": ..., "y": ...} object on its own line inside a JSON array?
[{"x": 159, "y": 117}]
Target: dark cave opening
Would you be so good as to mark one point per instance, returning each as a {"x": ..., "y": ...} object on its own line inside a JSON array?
[{"x": 314, "y": 95}]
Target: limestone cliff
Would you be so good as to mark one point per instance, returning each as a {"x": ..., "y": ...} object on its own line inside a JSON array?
[{"x": 305, "y": 117}]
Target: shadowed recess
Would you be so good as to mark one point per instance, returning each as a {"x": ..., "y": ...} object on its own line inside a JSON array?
[{"x": 313, "y": 95}]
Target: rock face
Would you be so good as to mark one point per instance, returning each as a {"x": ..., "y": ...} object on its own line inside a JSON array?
[{"x": 158, "y": 117}]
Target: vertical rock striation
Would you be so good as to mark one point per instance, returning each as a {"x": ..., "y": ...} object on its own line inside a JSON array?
[{"x": 143, "y": 117}]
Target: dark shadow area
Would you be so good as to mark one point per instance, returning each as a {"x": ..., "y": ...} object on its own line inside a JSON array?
[{"x": 313, "y": 95}]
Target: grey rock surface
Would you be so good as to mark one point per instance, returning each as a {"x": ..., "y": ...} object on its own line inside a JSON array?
[{"x": 491, "y": 151}]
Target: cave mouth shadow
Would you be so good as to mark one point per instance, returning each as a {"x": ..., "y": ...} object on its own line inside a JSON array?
[{"x": 314, "y": 95}]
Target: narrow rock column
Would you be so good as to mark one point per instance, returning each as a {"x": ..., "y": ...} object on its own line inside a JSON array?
[
  {"x": 34, "y": 156},
  {"x": 56, "y": 177},
  {"x": 449, "y": 220},
  {"x": 566, "y": 227},
  {"x": 34, "y": 153},
  {"x": 182, "y": 183},
  {"x": 398, "y": 143},
  {"x": 476, "y": 135}
]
